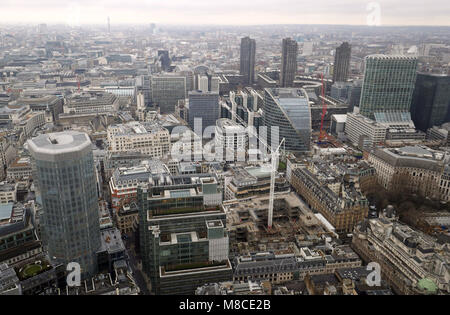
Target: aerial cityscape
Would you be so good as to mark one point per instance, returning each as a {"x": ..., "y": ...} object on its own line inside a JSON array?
[{"x": 194, "y": 155}]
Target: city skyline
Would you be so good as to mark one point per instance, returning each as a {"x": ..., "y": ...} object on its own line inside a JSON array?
[{"x": 201, "y": 12}]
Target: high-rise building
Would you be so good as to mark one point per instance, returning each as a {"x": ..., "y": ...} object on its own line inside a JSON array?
[
  {"x": 388, "y": 84},
  {"x": 248, "y": 49},
  {"x": 167, "y": 90},
  {"x": 230, "y": 140},
  {"x": 204, "y": 106},
  {"x": 67, "y": 184},
  {"x": 163, "y": 57},
  {"x": 289, "y": 110},
  {"x": 203, "y": 83},
  {"x": 342, "y": 62},
  {"x": 288, "y": 62},
  {"x": 431, "y": 101}
]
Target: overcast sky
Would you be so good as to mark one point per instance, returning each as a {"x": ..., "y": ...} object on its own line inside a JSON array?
[{"x": 237, "y": 12}]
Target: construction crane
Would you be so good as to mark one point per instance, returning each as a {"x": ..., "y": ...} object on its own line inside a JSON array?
[
  {"x": 324, "y": 112},
  {"x": 273, "y": 169},
  {"x": 274, "y": 160}
]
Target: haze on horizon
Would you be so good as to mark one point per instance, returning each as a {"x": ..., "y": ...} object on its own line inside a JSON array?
[{"x": 229, "y": 12}]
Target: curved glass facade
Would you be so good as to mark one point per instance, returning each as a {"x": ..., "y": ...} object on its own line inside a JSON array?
[{"x": 289, "y": 110}]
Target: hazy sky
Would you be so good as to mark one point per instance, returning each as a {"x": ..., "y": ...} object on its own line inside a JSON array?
[{"x": 75, "y": 12}]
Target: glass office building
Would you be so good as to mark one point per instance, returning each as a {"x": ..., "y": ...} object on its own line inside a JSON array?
[
  {"x": 289, "y": 110},
  {"x": 204, "y": 106},
  {"x": 167, "y": 90},
  {"x": 388, "y": 84},
  {"x": 176, "y": 235},
  {"x": 66, "y": 179},
  {"x": 431, "y": 101}
]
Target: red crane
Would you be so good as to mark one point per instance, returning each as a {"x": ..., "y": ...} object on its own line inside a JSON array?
[{"x": 324, "y": 111}]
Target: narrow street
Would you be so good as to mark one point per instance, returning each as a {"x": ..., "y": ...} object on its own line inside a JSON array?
[{"x": 134, "y": 264}]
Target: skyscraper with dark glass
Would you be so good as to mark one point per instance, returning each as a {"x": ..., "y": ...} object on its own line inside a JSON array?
[
  {"x": 66, "y": 179},
  {"x": 388, "y": 84},
  {"x": 204, "y": 106},
  {"x": 288, "y": 62},
  {"x": 431, "y": 101},
  {"x": 248, "y": 49},
  {"x": 342, "y": 62}
]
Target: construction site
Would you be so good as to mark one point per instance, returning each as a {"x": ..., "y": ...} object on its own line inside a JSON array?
[{"x": 293, "y": 224}]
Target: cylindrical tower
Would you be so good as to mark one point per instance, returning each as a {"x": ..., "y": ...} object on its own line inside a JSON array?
[{"x": 66, "y": 178}]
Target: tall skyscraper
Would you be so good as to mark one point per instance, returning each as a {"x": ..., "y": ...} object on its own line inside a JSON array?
[
  {"x": 289, "y": 110},
  {"x": 388, "y": 84},
  {"x": 248, "y": 49},
  {"x": 167, "y": 90},
  {"x": 342, "y": 62},
  {"x": 67, "y": 184},
  {"x": 288, "y": 62},
  {"x": 204, "y": 106},
  {"x": 431, "y": 101}
]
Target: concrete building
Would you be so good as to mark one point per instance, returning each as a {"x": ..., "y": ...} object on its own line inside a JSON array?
[
  {"x": 92, "y": 102},
  {"x": 251, "y": 181},
  {"x": 9, "y": 282},
  {"x": 125, "y": 181},
  {"x": 146, "y": 138},
  {"x": 8, "y": 192},
  {"x": 18, "y": 238},
  {"x": 230, "y": 141},
  {"x": 415, "y": 169},
  {"x": 288, "y": 62},
  {"x": 363, "y": 132},
  {"x": 20, "y": 169},
  {"x": 411, "y": 261}
]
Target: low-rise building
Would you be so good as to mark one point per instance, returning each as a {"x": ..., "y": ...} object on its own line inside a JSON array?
[
  {"x": 252, "y": 180},
  {"x": 333, "y": 192},
  {"x": 413, "y": 169},
  {"x": 20, "y": 169},
  {"x": 146, "y": 138},
  {"x": 93, "y": 102},
  {"x": 411, "y": 261}
]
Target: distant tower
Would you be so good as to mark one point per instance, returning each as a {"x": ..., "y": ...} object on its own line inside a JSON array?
[
  {"x": 109, "y": 25},
  {"x": 342, "y": 62},
  {"x": 248, "y": 49},
  {"x": 66, "y": 179},
  {"x": 288, "y": 62}
]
